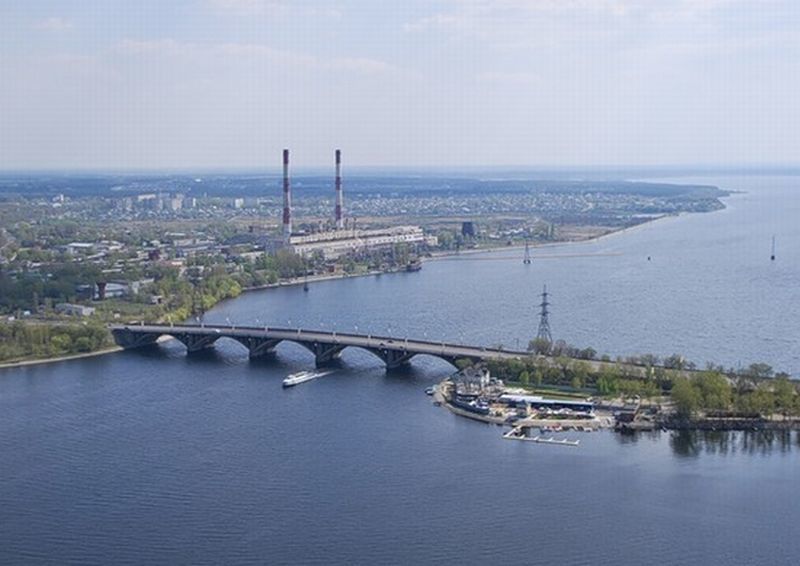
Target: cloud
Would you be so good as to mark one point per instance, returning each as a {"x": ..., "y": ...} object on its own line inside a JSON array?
[
  {"x": 518, "y": 79},
  {"x": 513, "y": 21},
  {"x": 247, "y": 52},
  {"x": 54, "y": 23},
  {"x": 584, "y": 26},
  {"x": 478, "y": 16},
  {"x": 492, "y": 81},
  {"x": 280, "y": 8},
  {"x": 435, "y": 21}
]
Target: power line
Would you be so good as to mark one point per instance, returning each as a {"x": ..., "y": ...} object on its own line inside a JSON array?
[{"x": 544, "y": 322}]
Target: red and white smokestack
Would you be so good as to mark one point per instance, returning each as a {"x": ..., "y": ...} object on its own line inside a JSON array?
[
  {"x": 339, "y": 200},
  {"x": 287, "y": 198}
]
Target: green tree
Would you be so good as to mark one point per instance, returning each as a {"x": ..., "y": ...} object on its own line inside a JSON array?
[
  {"x": 606, "y": 385},
  {"x": 580, "y": 373},
  {"x": 564, "y": 365},
  {"x": 539, "y": 346},
  {"x": 759, "y": 370},
  {"x": 686, "y": 396},
  {"x": 715, "y": 390},
  {"x": 515, "y": 368},
  {"x": 608, "y": 379},
  {"x": 762, "y": 401},
  {"x": 785, "y": 394},
  {"x": 61, "y": 343}
]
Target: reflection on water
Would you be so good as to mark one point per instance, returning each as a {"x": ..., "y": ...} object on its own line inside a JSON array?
[{"x": 693, "y": 443}]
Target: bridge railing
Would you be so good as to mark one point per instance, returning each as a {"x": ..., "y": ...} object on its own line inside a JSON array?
[{"x": 386, "y": 340}]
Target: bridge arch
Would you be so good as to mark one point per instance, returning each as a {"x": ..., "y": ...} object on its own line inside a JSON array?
[
  {"x": 326, "y": 347},
  {"x": 396, "y": 357},
  {"x": 194, "y": 342},
  {"x": 257, "y": 346},
  {"x": 324, "y": 353}
]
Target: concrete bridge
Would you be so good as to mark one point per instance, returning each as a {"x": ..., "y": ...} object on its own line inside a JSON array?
[{"x": 326, "y": 346}]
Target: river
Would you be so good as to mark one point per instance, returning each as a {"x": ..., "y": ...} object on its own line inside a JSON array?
[{"x": 156, "y": 457}]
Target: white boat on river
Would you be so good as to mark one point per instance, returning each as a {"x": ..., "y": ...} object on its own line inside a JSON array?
[{"x": 303, "y": 376}]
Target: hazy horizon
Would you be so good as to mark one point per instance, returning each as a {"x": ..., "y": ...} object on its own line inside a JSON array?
[
  {"x": 530, "y": 171},
  {"x": 227, "y": 84}
]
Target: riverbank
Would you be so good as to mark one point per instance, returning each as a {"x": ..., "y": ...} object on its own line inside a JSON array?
[
  {"x": 40, "y": 361},
  {"x": 294, "y": 281},
  {"x": 595, "y": 238},
  {"x": 334, "y": 276},
  {"x": 434, "y": 256}
]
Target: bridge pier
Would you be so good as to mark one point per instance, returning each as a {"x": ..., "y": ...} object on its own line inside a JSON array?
[
  {"x": 196, "y": 342},
  {"x": 324, "y": 354},
  {"x": 128, "y": 339},
  {"x": 258, "y": 347},
  {"x": 395, "y": 358}
]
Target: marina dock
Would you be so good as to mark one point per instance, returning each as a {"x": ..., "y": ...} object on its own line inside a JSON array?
[{"x": 518, "y": 433}]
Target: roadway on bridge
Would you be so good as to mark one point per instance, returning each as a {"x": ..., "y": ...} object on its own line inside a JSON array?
[{"x": 367, "y": 341}]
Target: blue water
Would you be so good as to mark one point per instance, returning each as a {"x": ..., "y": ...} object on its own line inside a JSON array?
[
  {"x": 156, "y": 457},
  {"x": 709, "y": 291}
]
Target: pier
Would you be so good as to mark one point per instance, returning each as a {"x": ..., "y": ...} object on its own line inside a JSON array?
[{"x": 519, "y": 433}]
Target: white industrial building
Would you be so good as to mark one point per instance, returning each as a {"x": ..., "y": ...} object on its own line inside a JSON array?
[{"x": 336, "y": 243}]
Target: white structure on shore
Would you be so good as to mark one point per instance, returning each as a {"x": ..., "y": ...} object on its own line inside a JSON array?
[{"x": 335, "y": 243}]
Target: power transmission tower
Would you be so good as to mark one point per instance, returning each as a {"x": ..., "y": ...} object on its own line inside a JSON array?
[
  {"x": 544, "y": 322},
  {"x": 527, "y": 259}
]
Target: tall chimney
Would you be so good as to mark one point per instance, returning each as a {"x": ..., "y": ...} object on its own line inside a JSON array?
[
  {"x": 287, "y": 198},
  {"x": 339, "y": 201}
]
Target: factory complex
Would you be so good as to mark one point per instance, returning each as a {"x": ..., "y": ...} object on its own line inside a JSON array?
[
  {"x": 345, "y": 238},
  {"x": 335, "y": 243}
]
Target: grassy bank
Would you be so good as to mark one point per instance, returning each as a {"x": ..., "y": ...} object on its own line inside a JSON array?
[{"x": 34, "y": 362}]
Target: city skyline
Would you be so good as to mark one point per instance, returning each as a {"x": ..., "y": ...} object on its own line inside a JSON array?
[{"x": 229, "y": 83}]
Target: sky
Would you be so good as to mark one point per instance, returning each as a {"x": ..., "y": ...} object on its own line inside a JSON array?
[{"x": 148, "y": 84}]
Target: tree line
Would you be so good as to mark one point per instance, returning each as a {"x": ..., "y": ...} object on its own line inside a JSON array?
[
  {"x": 715, "y": 394},
  {"x": 20, "y": 341},
  {"x": 754, "y": 390}
]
